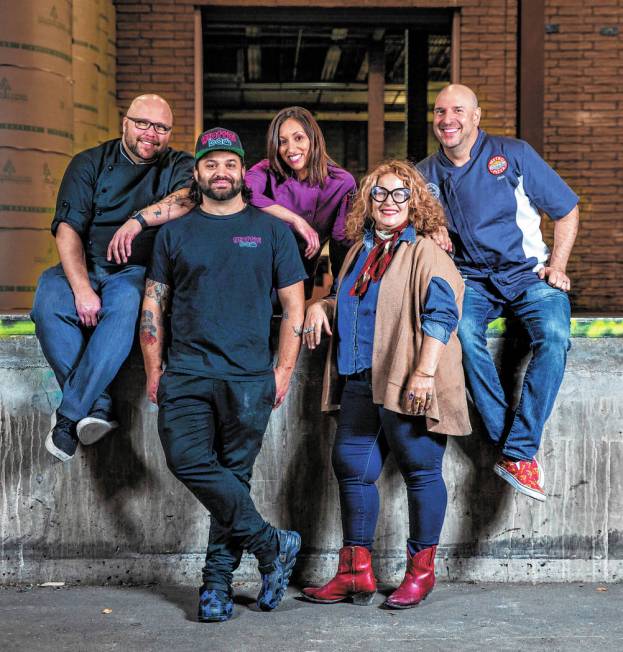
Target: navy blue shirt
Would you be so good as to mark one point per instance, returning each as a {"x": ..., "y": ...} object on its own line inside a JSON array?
[
  {"x": 102, "y": 187},
  {"x": 356, "y": 317},
  {"x": 221, "y": 270},
  {"x": 492, "y": 204}
]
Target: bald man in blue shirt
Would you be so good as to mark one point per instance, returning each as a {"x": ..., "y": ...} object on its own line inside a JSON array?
[{"x": 493, "y": 189}]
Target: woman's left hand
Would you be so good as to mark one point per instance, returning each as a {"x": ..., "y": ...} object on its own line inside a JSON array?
[
  {"x": 418, "y": 394},
  {"x": 310, "y": 235}
]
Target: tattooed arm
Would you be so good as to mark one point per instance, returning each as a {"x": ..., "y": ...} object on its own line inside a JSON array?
[
  {"x": 151, "y": 333},
  {"x": 292, "y": 299},
  {"x": 175, "y": 205}
]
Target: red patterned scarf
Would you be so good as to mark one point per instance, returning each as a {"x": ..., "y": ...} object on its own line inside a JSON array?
[{"x": 378, "y": 259}]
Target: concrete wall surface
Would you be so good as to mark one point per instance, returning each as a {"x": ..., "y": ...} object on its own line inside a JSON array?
[{"x": 115, "y": 513}]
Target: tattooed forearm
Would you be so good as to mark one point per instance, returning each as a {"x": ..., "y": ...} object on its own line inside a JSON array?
[
  {"x": 179, "y": 198},
  {"x": 171, "y": 207},
  {"x": 148, "y": 331},
  {"x": 285, "y": 315},
  {"x": 159, "y": 292},
  {"x": 298, "y": 330}
]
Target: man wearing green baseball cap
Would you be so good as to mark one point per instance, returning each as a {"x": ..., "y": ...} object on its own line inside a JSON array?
[{"x": 214, "y": 269}]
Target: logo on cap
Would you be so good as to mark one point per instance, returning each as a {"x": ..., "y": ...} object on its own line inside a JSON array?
[{"x": 218, "y": 137}]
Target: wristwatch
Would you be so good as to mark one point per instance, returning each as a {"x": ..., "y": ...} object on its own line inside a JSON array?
[{"x": 138, "y": 216}]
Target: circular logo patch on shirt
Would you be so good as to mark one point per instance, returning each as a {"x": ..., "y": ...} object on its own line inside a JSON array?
[
  {"x": 433, "y": 189},
  {"x": 497, "y": 165}
]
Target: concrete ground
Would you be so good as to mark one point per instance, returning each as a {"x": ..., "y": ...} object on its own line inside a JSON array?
[{"x": 461, "y": 617}]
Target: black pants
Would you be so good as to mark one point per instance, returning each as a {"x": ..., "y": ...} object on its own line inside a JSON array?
[{"x": 211, "y": 431}]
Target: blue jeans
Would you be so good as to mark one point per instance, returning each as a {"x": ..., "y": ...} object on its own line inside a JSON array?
[
  {"x": 544, "y": 313},
  {"x": 366, "y": 433},
  {"x": 85, "y": 361}
]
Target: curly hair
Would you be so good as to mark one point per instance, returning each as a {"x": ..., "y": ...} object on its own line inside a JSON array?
[{"x": 425, "y": 212}]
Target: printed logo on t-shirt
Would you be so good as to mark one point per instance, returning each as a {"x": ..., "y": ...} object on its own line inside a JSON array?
[
  {"x": 251, "y": 241},
  {"x": 433, "y": 189},
  {"x": 497, "y": 165}
]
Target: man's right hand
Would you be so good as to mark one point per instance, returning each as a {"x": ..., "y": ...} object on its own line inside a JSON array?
[
  {"x": 441, "y": 238},
  {"x": 88, "y": 306},
  {"x": 153, "y": 381},
  {"x": 120, "y": 247}
]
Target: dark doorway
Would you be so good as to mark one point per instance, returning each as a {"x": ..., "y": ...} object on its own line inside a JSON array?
[{"x": 257, "y": 61}]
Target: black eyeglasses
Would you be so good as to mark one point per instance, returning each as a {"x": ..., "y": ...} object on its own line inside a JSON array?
[
  {"x": 399, "y": 195},
  {"x": 144, "y": 125}
]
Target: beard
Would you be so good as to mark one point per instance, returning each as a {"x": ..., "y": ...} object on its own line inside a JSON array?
[
  {"x": 220, "y": 195},
  {"x": 132, "y": 145}
]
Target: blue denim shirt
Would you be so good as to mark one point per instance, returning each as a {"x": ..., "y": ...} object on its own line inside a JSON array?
[{"x": 356, "y": 317}]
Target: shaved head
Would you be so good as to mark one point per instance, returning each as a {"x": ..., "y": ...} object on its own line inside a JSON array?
[
  {"x": 456, "y": 117},
  {"x": 149, "y": 104},
  {"x": 147, "y": 113},
  {"x": 462, "y": 91}
]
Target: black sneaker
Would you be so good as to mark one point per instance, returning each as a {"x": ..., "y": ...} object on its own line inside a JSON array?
[
  {"x": 62, "y": 440},
  {"x": 94, "y": 427}
]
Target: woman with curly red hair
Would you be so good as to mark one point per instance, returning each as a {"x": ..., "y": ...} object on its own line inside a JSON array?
[{"x": 394, "y": 370}]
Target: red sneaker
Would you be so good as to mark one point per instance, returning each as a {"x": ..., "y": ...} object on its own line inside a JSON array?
[{"x": 525, "y": 476}]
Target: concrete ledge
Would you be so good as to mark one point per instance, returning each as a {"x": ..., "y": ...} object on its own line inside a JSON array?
[{"x": 115, "y": 514}]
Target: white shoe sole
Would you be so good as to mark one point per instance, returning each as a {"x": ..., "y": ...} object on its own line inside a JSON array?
[
  {"x": 510, "y": 478},
  {"x": 92, "y": 429},
  {"x": 51, "y": 448}
]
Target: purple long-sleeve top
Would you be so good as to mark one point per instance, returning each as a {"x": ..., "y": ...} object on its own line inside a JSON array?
[{"x": 324, "y": 208}]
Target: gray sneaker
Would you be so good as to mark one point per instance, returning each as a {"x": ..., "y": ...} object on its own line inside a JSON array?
[{"x": 92, "y": 428}]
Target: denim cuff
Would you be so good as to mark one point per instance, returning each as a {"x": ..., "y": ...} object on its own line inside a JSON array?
[{"x": 436, "y": 329}]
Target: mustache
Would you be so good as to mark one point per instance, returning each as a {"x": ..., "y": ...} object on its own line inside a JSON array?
[{"x": 220, "y": 178}]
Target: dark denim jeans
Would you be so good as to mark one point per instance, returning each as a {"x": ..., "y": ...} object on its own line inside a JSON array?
[
  {"x": 211, "y": 432},
  {"x": 366, "y": 433},
  {"x": 84, "y": 360},
  {"x": 544, "y": 313}
]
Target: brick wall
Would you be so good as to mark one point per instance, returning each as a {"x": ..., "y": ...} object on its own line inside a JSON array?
[
  {"x": 584, "y": 139},
  {"x": 155, "y": 53}
]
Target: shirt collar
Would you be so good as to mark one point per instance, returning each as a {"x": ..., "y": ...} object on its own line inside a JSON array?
[
  {"x": 408, "y": 235},
  {"x": 123, "y": 153}
]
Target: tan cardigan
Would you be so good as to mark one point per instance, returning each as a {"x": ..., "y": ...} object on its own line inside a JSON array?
[{"x": 398, "y": 337}]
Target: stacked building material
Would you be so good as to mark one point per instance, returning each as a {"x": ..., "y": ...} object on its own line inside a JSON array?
[{"x": 36, "y": 138}]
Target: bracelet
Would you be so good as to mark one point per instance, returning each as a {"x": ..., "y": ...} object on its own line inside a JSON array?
[
  {"x": 138, "y": 216},
  {"x": 422, "y": 374}
]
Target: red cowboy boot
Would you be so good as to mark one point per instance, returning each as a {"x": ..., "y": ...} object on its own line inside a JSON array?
[
  {"x": 418, "y": 582},
  {"x": 354, "y": 579}
]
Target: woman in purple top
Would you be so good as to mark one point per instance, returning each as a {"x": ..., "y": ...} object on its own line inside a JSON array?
[{"x": 301, "y": 185}]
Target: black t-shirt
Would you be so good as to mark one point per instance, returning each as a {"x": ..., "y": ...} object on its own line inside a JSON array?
[
  {"x": 102, "y": 187},
  {"x": 221, "y": 270}
]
